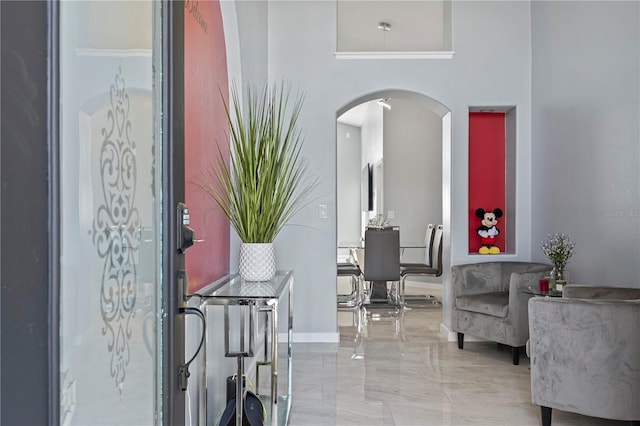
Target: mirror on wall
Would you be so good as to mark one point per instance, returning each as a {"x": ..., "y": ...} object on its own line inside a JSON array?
[{"x": 389, "y": 164}]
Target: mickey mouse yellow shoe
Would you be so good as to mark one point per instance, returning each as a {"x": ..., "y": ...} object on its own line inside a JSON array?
[
  {"x": 484, "y": 250},
  {"x": 494, "y": 250}
]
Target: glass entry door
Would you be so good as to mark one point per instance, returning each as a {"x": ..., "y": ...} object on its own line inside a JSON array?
[{"x": 111, "y": 194}]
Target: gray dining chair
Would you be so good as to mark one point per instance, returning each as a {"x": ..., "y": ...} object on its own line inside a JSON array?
[
  {"x": 432, "y": 265},
  {"x": 353, "y": 299},
  {"x": 382, "y": 253}
]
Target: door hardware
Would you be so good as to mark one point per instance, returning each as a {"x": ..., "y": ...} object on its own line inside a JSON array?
[{"x": 185, "y": 234}]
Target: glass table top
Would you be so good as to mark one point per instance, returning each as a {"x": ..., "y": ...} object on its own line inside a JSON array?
[
  {"x": 537, "y": 292},
  {"x": 235, "y": 287}
]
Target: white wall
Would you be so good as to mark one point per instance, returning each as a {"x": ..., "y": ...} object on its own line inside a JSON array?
[
  {"x": 349, "y": 186},
  {"x": 586, "y": 133},
  {"x": 491, "y": 66},
  {"x": 372, "y": 134},
  {"x": 252, "y": 19},
  {"x": 413, "y": 170}
]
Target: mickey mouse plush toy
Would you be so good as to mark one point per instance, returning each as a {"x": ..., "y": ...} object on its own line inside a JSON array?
[{"x": 488, "y": 230}]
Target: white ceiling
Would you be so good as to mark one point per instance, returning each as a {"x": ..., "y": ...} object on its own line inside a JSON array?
[{"x": 355, "y": 116}]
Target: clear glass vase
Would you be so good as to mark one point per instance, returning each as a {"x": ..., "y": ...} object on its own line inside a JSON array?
[
  {"x": 558, "y": 273},
  {"x": 559, "y": 277}
]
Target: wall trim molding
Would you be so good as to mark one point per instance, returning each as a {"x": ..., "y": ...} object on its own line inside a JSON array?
[
  {"x": 116, "y": 53},
  {"x": 436, "y": 54}
]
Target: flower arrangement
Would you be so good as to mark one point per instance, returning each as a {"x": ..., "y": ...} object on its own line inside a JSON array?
[
  {"x": 379, "y": 221},
  {"x": 558, "y": 248}
]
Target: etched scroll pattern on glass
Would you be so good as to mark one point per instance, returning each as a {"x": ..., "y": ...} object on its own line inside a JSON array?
[{"x": 116, "y": 230}]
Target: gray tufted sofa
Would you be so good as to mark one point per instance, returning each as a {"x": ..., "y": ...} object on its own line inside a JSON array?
[
  {"x": 585, "y": 352},
  {"x": 489, "y": 302}
]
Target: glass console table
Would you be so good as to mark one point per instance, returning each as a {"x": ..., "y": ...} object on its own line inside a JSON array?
[{"x": 263, "y": 297}]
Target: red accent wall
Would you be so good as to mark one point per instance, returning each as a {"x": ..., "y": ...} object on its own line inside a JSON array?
[
  {"x": 205, "y": 75},
  {"x": 487, "y": 173}
]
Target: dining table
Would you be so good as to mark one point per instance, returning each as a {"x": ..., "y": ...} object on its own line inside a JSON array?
[{"x": 378, "y": 292}]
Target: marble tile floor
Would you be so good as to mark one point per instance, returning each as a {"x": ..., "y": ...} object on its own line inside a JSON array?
[{"x": 401, "y": 371}]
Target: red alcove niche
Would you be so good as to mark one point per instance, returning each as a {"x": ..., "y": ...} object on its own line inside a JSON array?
[{"x": 492, "y": 173}]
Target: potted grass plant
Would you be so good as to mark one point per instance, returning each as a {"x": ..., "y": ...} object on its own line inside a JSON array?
[{"x": 264, "y": 181}]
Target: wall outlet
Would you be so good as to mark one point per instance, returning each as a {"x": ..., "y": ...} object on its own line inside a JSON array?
[{"x": 322, "y": 211}]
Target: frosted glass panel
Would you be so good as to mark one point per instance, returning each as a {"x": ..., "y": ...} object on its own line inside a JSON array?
[{"x": 110, "y": 285}]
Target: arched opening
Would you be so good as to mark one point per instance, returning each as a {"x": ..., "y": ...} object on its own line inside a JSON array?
[{"x": 404, "y": 139}]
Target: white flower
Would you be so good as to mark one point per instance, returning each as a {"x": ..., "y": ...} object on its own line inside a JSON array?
[{"x": 559, "y": 249}]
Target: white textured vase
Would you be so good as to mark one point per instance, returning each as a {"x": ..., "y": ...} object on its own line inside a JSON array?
[{"x": 257, "y": 261}]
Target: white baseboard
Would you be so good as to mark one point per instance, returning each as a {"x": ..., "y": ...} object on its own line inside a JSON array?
[
  {"x": 425, "y": 285},
  {"x": 445, "y": 332},
  {"x": 310, "y": 337},
  {"x": 316, "y": 337}
]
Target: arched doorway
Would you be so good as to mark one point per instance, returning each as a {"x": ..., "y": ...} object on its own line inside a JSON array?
[{"x": 405, "y": 137}]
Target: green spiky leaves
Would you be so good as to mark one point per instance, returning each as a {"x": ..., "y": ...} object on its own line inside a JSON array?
[{"x": 265, "y": 181}]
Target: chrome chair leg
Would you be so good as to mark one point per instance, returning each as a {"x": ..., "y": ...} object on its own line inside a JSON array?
[{"x": 355, "y": 298}]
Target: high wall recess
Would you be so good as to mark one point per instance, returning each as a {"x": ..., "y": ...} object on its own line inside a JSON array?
[{"x": 393, "y": 29}]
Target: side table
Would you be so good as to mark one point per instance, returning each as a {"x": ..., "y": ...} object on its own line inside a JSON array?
[
  {"x": 536, "y": 292},
  {"x": 263, "y": 296}
]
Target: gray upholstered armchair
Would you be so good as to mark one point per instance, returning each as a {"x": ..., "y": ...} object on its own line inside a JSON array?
[
  {"x": 489, "y": 302},
  {"x": 585, "y": 352}
]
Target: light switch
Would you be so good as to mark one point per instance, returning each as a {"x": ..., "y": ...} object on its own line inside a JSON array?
[
  {"x": 391, "y": 214},
  {"x": 322, "y": 210}
]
